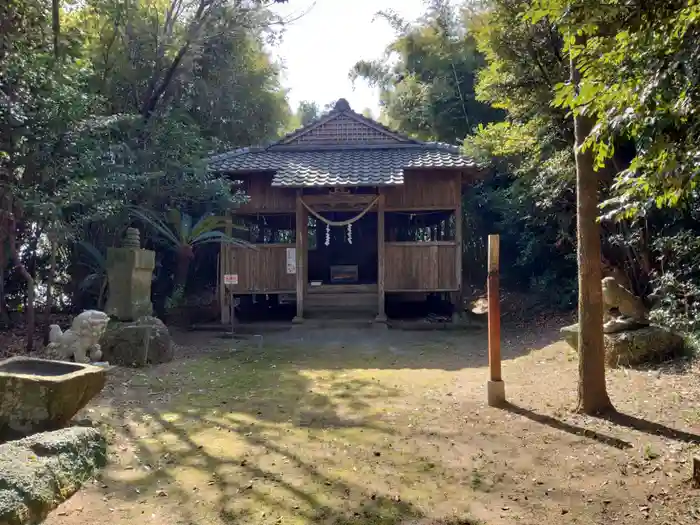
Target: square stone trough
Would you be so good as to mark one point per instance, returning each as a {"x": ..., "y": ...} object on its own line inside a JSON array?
[{"x": 38, "y": 395}]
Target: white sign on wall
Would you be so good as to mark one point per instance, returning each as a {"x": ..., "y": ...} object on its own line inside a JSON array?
[
  {"x": 231, "y": 279},
  {"x": 291, "y": 260}
]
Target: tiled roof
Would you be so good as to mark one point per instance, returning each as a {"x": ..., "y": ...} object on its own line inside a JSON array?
[{"x": 340, "y": 149}]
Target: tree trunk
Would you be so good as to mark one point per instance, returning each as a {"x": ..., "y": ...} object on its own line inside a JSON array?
[
  {"x": 4, "y": 315},
  {"x": 184, "y": 256},
  {"x": 17, "y": 261},
  {"x": 56, "y": 25},
  {"x": 592, "y": 392},
  {"x": 49, "y": 289}
]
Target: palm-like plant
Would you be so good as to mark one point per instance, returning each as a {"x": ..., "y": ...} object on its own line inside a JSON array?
[
  {"x": 96, "y": 263},
  {"x": 182, "y": 234}
]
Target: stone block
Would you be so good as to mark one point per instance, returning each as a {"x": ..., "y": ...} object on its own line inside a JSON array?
[
  {"x": 41, "y": 394},
  {"x": 40, "y": 472},
  {"x": 140, "y": 343},
  {"x": 130, "y": 272},
  {"x": 633, "y": 347}
]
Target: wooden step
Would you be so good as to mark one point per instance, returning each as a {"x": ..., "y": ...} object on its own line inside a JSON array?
[
  {"x": 342, "y": 301},
  {"x": 342, "y": 289},
  {"x": 338, "y": 322}
]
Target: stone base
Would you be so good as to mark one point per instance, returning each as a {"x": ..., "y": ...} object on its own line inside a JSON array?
[
  {"x": 298, "y": 320},
  {"x": 40, "y": 472},
  {"x": 380, "y": 322},
  {"x": 633, "y": 347},
  {"x": 495, "y": 393},
  {"x": 143, "y": 342}
]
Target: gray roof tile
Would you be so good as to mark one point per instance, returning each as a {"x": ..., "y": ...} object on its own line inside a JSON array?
[
  {"x": 324, "y": 161},
  {"x": 342, "y": 167}
]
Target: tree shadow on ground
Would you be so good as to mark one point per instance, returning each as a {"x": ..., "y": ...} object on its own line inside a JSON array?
[
  {"x": 615, "y": 417},
  {"x": 649, "y": 427},
  {"x": 259, "y": 385},
  {"x": 258, "y": 443},
  {"x": 575, "y": 430}
]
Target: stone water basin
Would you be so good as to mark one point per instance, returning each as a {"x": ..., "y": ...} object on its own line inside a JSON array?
[{"x": 37, "y": 395}]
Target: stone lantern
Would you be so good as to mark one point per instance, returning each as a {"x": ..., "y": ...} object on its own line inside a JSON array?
[{"x": 130, "y": 271}]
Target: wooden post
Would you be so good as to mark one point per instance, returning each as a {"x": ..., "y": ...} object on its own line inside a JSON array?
[
  {"x": 496, "y": 393},
  {"x": 224, "y": 251},
  {"x": 381, "y": 314},
  {"x": 233, "y": 302},
  {"x": 459, "y": 234},
  {"x": 301, "y": 228},
  {"x": 459, "y": 250}
]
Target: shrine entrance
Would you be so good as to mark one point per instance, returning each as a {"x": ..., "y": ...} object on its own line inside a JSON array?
[{"x": 342, "y": 255}]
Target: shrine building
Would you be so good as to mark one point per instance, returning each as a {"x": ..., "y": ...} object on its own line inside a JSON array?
[{"x": 343, "y": 213}]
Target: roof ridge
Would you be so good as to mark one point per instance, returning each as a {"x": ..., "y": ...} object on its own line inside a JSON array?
[
  {"x": 359, "y": 147},
  {"x": 342, "y": 107}
]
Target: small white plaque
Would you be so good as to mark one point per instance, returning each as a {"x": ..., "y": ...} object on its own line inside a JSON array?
[
  {"x": 291, "y": 260},
  {"x": 231, "y": 279}
]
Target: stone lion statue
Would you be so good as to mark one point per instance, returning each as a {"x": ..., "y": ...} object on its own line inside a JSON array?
[
  {"x": 624, "y": 310},
  {"x": 81, "y": 340}
]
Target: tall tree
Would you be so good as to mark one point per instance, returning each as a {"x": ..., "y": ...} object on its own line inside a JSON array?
[
  {"x": 592, "y": 392},
  {"x": 427, "y": 75},
  {"x": 141, "y": 93},
  {"x": 307, "y": 111}
]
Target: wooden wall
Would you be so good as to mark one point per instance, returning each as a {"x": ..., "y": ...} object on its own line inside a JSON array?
[
  {"x": 422, "y": 190},
  {"x": 424, "y": 266},
  {"x": 425, "y": 190},
  {"x": 264, "y": 198},
  {"x": 408, "y": 266},
  {"x": 421, "y": 266},
  {"x": 260, "y": 270}
]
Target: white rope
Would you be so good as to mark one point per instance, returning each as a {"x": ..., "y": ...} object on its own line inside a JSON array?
[{"x": 328, "y": 222}]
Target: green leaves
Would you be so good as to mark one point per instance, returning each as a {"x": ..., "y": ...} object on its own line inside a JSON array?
[
  {"x": 427, "y": 76},
  {"x": 639, "y": 83},
  {"x": 177, "y": 229}
]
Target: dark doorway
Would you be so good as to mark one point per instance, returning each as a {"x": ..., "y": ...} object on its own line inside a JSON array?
[{"x": 352, "y": 256}]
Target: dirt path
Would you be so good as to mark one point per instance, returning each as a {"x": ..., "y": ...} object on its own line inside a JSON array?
[{"x": 387, "y": 428}]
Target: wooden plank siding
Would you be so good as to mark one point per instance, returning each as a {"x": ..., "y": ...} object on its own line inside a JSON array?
[
  {"x": 420, "y": 266},
  {"x": 264, "y": 198},
  {"x": 262, "y": 269},
  {"x": 432, "y": 190},
  {"x": 405, "y": 266}
]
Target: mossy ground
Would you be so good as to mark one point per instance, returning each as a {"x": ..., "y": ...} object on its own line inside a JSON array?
[{"x": 382, "y": 429}]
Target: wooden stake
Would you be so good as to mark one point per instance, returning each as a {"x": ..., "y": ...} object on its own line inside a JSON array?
[{"x": 496, "y": 394}]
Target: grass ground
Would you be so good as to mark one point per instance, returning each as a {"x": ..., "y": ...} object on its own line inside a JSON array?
[{"x": 388, "y": 428}]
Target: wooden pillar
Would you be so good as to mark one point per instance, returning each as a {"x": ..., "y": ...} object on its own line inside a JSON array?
[
  {"x": 496, "y": 394},
  {"x": 225, "y": 256},
  {"x": 381, "y": 314},
  {"x": 459, "y": 240},
  {"x": 301, "y": 242}
]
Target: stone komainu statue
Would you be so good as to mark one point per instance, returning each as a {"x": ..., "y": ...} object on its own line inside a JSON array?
[
  {"x": 82, "y": 340},
  {"x": 624, "y": 310}
]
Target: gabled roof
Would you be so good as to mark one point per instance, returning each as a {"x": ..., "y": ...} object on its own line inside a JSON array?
[{"x": 341, "y": 148}]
